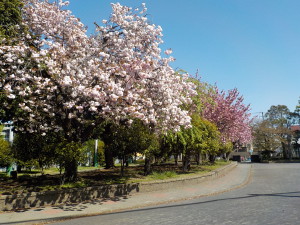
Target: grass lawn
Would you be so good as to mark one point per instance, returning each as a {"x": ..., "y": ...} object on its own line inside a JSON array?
[{"x": 91, "y": 176}]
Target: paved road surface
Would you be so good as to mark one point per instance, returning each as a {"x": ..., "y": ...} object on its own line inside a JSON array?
[{"x": 272, "y": 197}]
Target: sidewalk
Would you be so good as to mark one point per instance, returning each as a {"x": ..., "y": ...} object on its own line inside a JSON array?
[{"x": 237, "y": 177}]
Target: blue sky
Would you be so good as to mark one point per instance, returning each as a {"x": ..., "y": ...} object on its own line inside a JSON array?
[{"x": 251, "y": 45}]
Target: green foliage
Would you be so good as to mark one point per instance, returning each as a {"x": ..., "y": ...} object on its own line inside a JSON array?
[
  {"x": 211, "y": 142},
  {"x": 264, "y": 136},
  {"x": 34, "y": 150},
  {"x": 89, "y": 151},
  {"x": 204, "y": 91},
  {"x": 100, "y": 156},
  {"x": 278, "y": 115},
  {"x": 124, "y": 141},
  {"x": 226, "y": 147},
  {"x": 68, "y": 152},
  {"x": 202, "y": 137},
  {"x": 274, "y": 131},
  {"x": 5, "y": 153},
  {"x": 152, "y": 145},
  {"x": 10, "y": 17},
  {"x": 174, "y": 143}
]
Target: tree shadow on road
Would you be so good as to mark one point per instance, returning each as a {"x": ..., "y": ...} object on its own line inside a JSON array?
[
  {"x": 80, "y": 207},
  {"x": 283, "y": 194}
]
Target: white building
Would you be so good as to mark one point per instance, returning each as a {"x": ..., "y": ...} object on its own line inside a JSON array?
[{"x": 7, "y": 132}]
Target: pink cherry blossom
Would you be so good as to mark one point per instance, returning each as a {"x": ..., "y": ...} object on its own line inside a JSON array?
[{"x": 229, "y": 113}]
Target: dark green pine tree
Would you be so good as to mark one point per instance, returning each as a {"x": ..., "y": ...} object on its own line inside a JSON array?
[
  {"x": 10, "y": 16},
  {"x": 11, "y": 30}
]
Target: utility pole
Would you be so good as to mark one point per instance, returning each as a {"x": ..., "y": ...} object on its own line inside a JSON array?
[
  {"x": 96, "y": 164},
  {"x": 262, "y": 115}
]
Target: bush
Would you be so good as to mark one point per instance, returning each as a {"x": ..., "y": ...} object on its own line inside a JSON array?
[{"x": 5, "y": 153}]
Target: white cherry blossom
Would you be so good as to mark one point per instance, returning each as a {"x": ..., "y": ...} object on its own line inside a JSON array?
[{"x": 71, "y": 81}]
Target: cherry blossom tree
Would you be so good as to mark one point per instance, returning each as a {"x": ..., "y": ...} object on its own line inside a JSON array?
[
  {"x": 71, "y": 82},
  {"x": 230, "y": 115}
]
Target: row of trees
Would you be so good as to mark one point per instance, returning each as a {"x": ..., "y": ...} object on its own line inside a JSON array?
[
  {"x": 274, "y": 131},
  {"x": 63, "y": 86}
]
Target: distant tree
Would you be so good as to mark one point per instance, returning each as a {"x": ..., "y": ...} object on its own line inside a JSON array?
[
  {"x": 212, "y": 144},
  {"x": 202, "y": 138},
  {"x": 124, "y": 142},
  {"x": 295, "y": 120},
  {"x": 278, "y": 118},
  {"x": 297, "y": 111},
  {"x": 171, "y": 146},
  {"x": 5, "y": 151},
  {"x": 34, "y": 150},
  {"x": 273, "y": 132},
  {"x": 295, "y": 116},
  {"x": 264, "y": 137},
  {"x": 89, "y": 151}
]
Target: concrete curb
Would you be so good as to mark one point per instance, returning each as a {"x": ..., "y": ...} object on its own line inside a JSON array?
[{"x": 78, "y": 195}]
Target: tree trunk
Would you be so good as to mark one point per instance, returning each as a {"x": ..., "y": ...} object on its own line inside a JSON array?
[
  {"x": 289, "y": 146},
  {"x": 126, "y": 161},
  {"x": 227, "y": 156},
  {"x": 284, "y": 151},
  {"x": 212, "y": 158},
  {"x": 19, "y": 168},
  {"x": 206, "y": 157},
  {"x": 176, "y": 159},
  {"x": 198, "y": 158},
  {"x": 290, "y": 152},
  {"x": 186, "y": 162},
  {"x": 70, "y": 170},
  {"x": 122, "y": 165},
  {"x": 109, "y": 159},
  {"x": 147, "y": 167}
]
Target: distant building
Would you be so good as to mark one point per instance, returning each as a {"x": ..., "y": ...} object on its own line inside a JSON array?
[
  {"x": 295, "y": 128},
  {"x": 7, "y": 132}
]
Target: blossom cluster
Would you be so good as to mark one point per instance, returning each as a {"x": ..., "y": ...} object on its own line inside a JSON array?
[
  {"x": 230, "y": 115},
  {"x": 64, "y": 78}
]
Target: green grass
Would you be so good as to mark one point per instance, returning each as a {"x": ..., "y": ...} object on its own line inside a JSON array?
[
  {"x": 3, "y": 174},
  {"x": 163, "y": 175},
  {"x": 54, "y": 170},
  {"x": 78, "y": 184},
  {"x": 216, "y": 165},
  {"x": 195, "y": 171},
  {"x": 133, "y": 174}
]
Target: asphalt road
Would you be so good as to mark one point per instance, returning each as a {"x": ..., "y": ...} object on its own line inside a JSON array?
[{"x": 272, "y": 197}]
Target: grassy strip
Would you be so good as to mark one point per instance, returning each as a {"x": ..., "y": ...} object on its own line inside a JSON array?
[
  {"x": 131, "y": 177},
  {"x": 195, "y": 171}
]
